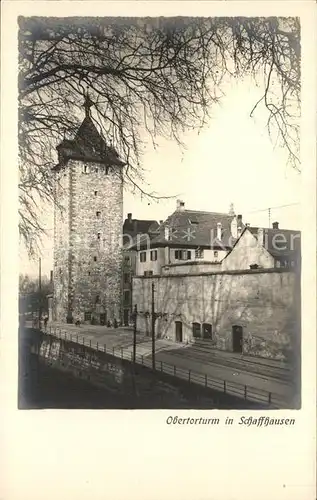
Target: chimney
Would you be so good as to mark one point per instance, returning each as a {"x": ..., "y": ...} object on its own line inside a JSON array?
[
  {"x": 247, "y": 224},
  {"x": 166, "y": 232},
  {"x": 129, "y": 217},
  {"x": 219, "y": 225},
  {"x": 161, "y": 222},
  {"x": 260, "y": 236},
  {"x": 180, "y": 205},
  {"x": 234, "y": 227},
  {"x": 239, "y": 219},
  {"x": 275, "y": 225}
]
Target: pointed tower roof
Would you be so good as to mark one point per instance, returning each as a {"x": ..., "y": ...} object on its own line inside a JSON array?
[
  {"x": 88, "y": 144},
  {"x": 231, "y": 209}
]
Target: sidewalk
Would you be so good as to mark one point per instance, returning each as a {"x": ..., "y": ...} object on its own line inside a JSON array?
[{"x": 201, "y": 345}]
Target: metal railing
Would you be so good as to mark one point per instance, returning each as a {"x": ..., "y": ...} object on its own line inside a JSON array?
[{"x": 230, "y": 388}]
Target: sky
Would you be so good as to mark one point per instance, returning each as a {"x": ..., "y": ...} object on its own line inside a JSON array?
[{"x": 231, "y": 160}]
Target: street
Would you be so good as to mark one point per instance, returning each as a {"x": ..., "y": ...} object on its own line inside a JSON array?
[{"x": 262, "y": 375}]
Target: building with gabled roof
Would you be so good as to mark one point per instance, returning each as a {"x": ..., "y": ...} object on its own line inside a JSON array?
[
  {"x": 248, "y": 303},
  {"x": 133, "y": 227},
  {"x": 190, "y": 237},
  {"x": 265, "y": 248}
]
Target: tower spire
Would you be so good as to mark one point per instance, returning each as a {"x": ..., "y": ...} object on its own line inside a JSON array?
[{"x": 87, "y": 104}]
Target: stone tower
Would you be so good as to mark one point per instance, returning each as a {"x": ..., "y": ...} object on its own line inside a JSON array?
[{"x": 87, "y": 228}]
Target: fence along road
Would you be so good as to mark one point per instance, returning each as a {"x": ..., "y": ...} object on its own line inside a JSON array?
[{"x": 193, "y": 376}]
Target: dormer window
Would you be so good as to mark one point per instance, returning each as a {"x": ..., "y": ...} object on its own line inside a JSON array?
[{"x": 199, "y": 253}]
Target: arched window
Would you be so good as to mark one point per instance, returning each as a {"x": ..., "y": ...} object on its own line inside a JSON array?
[
  {"x": 196, "y": 330},
  {"x": 207, "y": 331}
]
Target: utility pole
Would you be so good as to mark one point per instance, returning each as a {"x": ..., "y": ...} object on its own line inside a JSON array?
[
  {"x": 135, "y": 312},
  {"x": 40, "y": 292},
  {"x": 153, "y": 329}
]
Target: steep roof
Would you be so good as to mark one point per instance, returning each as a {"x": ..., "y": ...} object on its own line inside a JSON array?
[
  {"x": 136, "y": 226},
  {"x": 192, "y": 228},
  {"x": 280, "y": 243},
  {"x": 87, "y": 145}
]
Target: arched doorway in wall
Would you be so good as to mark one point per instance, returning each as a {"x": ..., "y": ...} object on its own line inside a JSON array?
[
  {"x": 207, "y": 331},
  {"x": 237, "y": 338},
  {"x": 178, "y": 331}
]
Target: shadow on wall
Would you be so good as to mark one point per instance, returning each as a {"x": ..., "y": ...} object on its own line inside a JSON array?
[{"x": 256, "y": 314}]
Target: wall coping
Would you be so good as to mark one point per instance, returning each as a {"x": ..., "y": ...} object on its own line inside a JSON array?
[
  {"x": 230, "y": 272},
  {"x": 193, "y": 263}
]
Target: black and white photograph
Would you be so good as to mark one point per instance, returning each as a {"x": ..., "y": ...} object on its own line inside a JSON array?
[{"x": 160, "y": 217}]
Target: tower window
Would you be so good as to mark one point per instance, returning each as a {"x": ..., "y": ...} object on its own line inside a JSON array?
[
  {"x": 87, "y": 316},
  {"x": 98, "y": 214},
  {"x": 95, "y": 258},
  {"x": 98, "y": 236},
  {"x": 88, "y": 273},
  {"x": 97, "y": 299},
  {"x": 96, "y": 192}
]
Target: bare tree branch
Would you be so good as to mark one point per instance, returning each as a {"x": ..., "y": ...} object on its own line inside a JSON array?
[{"x": 158, "y": 76}]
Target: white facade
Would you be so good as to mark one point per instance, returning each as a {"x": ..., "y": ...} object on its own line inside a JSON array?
[
  {"x": 248, "y": 251},
  {"x": 153, "y": 260}
]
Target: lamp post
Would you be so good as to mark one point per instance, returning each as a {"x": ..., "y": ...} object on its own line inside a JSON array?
[
  {"x": 40, "y": 292},
  {"x": 135, "y": 312},
  {"x": 153, "y": 328}
]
